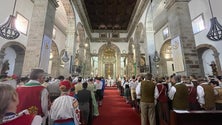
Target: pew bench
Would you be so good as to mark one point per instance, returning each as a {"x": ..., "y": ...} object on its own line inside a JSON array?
[{"x": 178, "y": 117}]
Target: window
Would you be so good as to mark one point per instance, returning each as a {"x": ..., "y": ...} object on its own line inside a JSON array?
[
  {"x": 21, "y": 23},
  {"x": 165, "y": 33},
  {"x": 198, "y": 24}
]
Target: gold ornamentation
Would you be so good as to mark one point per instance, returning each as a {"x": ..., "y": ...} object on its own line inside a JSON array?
[{"x": 33, "y": 110}]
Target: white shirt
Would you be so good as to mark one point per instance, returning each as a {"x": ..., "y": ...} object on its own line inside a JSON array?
[
  {"x": 62, "y": 108},
  {"x": 138, "y": 90},
  {"x": 200, "y": 94},
  {"x": 172, "y": 91},
  {"x": 99, "y": 85}
]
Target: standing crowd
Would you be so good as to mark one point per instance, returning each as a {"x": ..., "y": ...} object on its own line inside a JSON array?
[
  {"x": 154, "y": 98},
  {"x": 38, "y": 100}
]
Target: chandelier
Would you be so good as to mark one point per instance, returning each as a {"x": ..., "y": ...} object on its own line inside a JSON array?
[
  {"x": 8, "y": 29},
  {"x": 215, "y": 32}
]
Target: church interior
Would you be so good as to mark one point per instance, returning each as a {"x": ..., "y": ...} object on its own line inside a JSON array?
[{"x": 111, "y": 38}]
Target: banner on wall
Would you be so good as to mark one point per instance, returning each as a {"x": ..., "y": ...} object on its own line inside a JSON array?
[
  {"x": 45, "y": 53},
  {"x": 177, "y": 54}
]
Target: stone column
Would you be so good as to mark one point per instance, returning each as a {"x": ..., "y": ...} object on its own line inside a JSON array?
[
  {"x": 130, "y": 65},
  {"x": 180, "y": 25},
  {"x": 88, "y": 63},
  {"x": 137, "y": 59},
  {"x": 217, "y": 61},
  {"x": 42, "y": 23}
]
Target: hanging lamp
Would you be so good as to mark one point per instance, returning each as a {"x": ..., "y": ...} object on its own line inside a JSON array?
[
  {"x": 8, "y": 29},
  {"x": 156, "y": 57},
  {"x": 215, "y": 32},
  {"x": 65, "y": 57}
]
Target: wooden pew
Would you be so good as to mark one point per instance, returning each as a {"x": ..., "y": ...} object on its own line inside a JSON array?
[{"x": 195, "y": 117}]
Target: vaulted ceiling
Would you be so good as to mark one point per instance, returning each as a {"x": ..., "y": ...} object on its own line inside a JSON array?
[{"x": 109, "y": 14}]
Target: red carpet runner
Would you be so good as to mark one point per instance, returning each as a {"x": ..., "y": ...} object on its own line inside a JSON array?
[{"x": 115, "y": 111}]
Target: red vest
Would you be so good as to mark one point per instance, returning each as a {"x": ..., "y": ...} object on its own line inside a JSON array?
[
  {"x": 30, "y": 98},
  {"x": 21, "y": 120},
  {"x": 162, "y": 93},
  {"x": 192, "y": 97}
]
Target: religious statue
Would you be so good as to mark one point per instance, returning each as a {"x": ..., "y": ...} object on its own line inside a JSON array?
[
  {"x": 214, "y": 68},
  {"x": 5, "y": 68}
]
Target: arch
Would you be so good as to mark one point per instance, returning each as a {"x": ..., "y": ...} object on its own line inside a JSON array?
[
  {"x": 201, "y": 49},
  {"x": 166, "y": 66},
  {"x": 54, "y": 60},
  {"x": 115, "y": 64},
  {"x": 16, "y": 63}
]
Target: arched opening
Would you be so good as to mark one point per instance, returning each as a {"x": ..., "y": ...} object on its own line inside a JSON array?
[
  {"x": 109, "y": 61},
  {"x": 206, "y": 54},
  {"x": 166, "y": 66},
  {"x": 14, "y": 53}
]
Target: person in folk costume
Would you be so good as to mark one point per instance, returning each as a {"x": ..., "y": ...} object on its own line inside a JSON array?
[
  {"x": 206, "y": 95},
  {"x": 179, "y": 95},
  {"x": 78, "y": 86},
  {"x": 85, "y": 101},
  {"x": 147, "y": 101},
  {"x": 192, "y": 93},
  {"x": 8, "y": 116},
  {"x": 91, "y": 87},
  {"x": 34, "y": 96},
  {"x": 99, "y": 85},
  {"x": 162, "y": 99},
  {"x": 65, "y": 109},
  {"x": 53, "y": 88},
  {"x": 132, "y": 84},
  {"x": 218, "y": 93}
]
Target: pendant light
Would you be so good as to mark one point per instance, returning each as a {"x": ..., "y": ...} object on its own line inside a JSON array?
[
  {"x": 65, "y": 57},
  {"x": 8, "y": 29},
  {"x": 215, "y": 33}
]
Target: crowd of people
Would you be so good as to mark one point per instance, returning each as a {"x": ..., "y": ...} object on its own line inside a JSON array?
[
  {"x": 154, "y": 98},
  {"x": 38, "y": 100}
]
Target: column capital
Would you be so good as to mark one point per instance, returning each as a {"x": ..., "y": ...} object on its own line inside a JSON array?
[{"x": 169, "y": 3}]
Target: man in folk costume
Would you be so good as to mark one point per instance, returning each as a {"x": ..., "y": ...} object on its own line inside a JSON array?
[
  {"x": 33, "y": 96},
  {"x": 147, "y": 101},
  {"x": 53, "y": 88},
  {"x": 85, "y": 101},
  {"x": 162, "y": 100},
  {"x": 65, "y": 109},
  {"x": 179, "y": 95},
  {"x": 132, "y": 84},
  {"x": 206, "y": 95},
  {"x": 218, "y": 93}
]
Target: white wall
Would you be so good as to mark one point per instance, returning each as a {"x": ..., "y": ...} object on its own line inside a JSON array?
[
  {"x": 198, "y": 7},
  {"x": 207, "y": 58},
  {"x": 24, "y": 7}
]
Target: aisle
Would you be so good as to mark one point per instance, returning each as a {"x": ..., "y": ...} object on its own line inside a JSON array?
[{"x": 115, "y": 111}]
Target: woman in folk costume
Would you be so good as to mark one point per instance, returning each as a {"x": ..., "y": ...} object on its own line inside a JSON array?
[
  {"x": 65, "y": 109},
  {"x": 91, "y": 87},
  {"x": 8, "y": 105}
]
